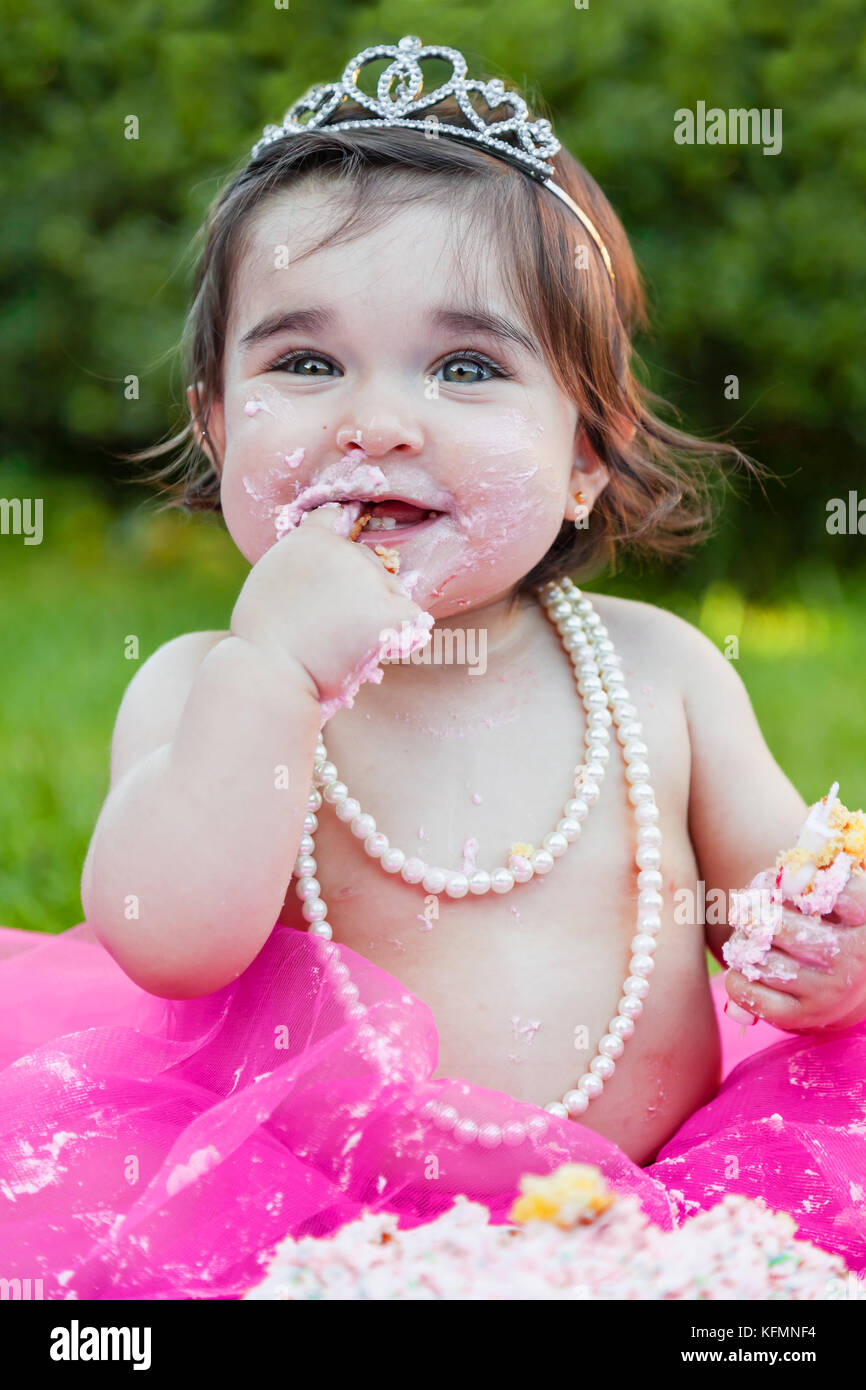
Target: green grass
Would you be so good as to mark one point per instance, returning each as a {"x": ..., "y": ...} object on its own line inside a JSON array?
[{"x": 69, "y": 605}]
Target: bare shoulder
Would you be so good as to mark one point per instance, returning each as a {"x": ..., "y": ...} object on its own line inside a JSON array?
[
  {"x": 154, "y": 699},
  {"x": 652, "y": 638}
]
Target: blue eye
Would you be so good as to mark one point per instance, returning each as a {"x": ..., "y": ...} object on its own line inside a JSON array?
[
  {"x": 292, "y": 359},
  {"x": 477, "y": 360}
]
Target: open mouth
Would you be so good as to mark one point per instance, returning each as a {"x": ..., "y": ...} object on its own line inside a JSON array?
[{"x": 392, "y": 517}]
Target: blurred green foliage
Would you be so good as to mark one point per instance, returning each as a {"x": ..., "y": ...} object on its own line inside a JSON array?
[{"x": 756, "y": 264}]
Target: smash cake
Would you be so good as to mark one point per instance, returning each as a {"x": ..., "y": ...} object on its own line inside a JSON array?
[
  {"x": 812, "y": 874},
  {"x": 570, "y": 1237}
]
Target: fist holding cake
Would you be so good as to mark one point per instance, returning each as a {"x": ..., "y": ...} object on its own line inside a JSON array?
[{"x": 797, "y": 954}]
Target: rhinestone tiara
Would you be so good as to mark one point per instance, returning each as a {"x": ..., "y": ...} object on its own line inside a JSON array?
[{"x": 518, "y": 140}]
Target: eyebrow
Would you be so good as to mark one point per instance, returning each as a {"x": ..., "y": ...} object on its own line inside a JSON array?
[{"x": 319, "y": 319}]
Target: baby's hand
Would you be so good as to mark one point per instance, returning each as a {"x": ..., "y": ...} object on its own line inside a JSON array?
[
  {"x": 323, "y": 600},
  {"x": 814, "y": 975}
]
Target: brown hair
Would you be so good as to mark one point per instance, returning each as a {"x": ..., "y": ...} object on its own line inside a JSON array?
[{"x": 659, "y": 500}]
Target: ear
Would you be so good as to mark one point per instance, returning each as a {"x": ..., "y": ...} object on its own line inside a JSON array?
[
  {"x": 214, "y": 441},
  {"x": 589, "y": 477}
]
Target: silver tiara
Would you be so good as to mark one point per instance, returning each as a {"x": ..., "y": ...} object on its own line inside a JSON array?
[{"x": 517, "y": 140}]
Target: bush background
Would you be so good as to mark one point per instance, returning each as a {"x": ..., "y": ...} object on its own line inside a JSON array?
[{"x": 755, "y": 266}]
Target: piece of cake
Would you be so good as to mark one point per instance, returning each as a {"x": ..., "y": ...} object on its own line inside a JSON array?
[
  {"x": 830, "y": 846},
  {"x": 575, "y": 1239}
]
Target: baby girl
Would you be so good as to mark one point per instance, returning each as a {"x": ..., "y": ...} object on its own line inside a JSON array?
[{"x": 413, "y": 405}]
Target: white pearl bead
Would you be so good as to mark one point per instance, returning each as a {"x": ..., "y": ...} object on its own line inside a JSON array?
[
  {"x": 335, "y": 791},
  {"x": 647, "y": 813},
  {"x": 321, "y": 929},
  {"x": 596, "y": 699},
  {"x": 537, "y": 1126},
  {"x": 307, "y": 887},
  {"x": 479, "y": 882},
  {"x": 598, "y": 753},
  {"x": 593, "y": 771},
  {"x": 643, "y": 944},
  {"x": 314, "y": 800},
  {"x": 637, "y": 772},
  {"x": 349, "y": 993},
  {"x": 575, "y": 1102},
  {"x": 649, "y": 922},
  {"x": 560, "y": 610},
  {"x": 466, "y": 1130},
  {"x": 603, "y": 1067},
  {"x": 621, "y": 1026},
  {"x": 630, "y": 1006},
  {"x": 591, "y": 1085},
  {"x": 636, "y": 985},
  {"x": 457, "y": 885},
  {"x": 649, "y": 835},
  {"x": 576, "y": 809},
  {"x": 328, "y": 773},
  {"x": 569, "y": 828},
  {"x": 648, "y": 856},
  {"x": 348, "y": 809},
  {"x": 635, "y": 748},
  {"x": 611, "y": 1046},
  {"x": 446, "y": 1117},
  {"x": 434, "y": 880},
  {"x": 311, "y": 823},
  {"x": 589, "y": 792},
  {"x": 514, "y": 1133},
  {"x": 649, "y": 898},
  {"x": 305, "y": 844},
  {"x": 392, "y": 859},
  {"x": 305, "y": 864},
  {"x": 641, "y": 965},
  {"x": 376, "y": 844},
  {"x": 599, "y": 719},
  {"x": 363, "y": 825},
  {"x": 632, "y": 728},
  {"x": 502, "y": 880},
  {"x": 339, "y": 971},
  {"x": 356, "y": 1011},
  {"x": 413, "y": 870},
  {"x": 555, "y": 843},
  {"x": 649, "y": 879},
  {"x": 314, "y": 910},
  {"x": 542, "y": 861},
  {"x": 490, "y": 1136},
  {"x": 641, "y": 792},
  {"x": 557, "y": 1108}
]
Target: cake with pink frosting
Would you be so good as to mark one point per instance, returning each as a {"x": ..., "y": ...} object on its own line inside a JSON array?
[
  {"x": 570, "y": 1238},
  {"x": 831, "y": 845}
]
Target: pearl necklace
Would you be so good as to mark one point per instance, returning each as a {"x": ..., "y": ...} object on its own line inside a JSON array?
[{"x": 588, "y": 644}]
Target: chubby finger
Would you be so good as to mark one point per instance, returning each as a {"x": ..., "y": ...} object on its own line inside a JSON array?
[
  {"x": 774, "y": 1006},
  {"x": 338, "y": 517},
  {"x": 809, "y": 940},
  {"x": 850, "y": 909}
]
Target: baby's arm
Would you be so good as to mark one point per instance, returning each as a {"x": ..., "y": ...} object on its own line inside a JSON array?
[
  {"x": 211, "y": 763},
  {"x": 742, "y": 808},
  {"x": 191, "y": 854}
]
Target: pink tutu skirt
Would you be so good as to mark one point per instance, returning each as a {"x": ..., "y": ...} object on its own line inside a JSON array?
[{"x": 160, "y": 1149}]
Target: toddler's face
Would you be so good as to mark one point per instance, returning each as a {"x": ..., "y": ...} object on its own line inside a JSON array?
[{"x": 381, "y": 382}]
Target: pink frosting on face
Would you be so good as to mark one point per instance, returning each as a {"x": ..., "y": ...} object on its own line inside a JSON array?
[{"x": 339, "y": 481}]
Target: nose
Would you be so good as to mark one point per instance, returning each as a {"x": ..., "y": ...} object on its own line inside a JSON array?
[{"x": 381, "y": 434}]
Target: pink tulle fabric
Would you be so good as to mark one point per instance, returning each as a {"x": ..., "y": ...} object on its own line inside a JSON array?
[{"x": 160, "y": 1149}]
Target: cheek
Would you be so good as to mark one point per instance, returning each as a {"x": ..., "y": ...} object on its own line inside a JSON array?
[{"x": 509, "y": 486}]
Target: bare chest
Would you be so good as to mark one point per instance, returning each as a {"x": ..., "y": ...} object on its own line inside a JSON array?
[{"x": 522, "y": 985}]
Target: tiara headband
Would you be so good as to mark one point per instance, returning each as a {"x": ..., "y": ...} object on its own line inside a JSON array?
[{"x": 529, "y": 146}]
